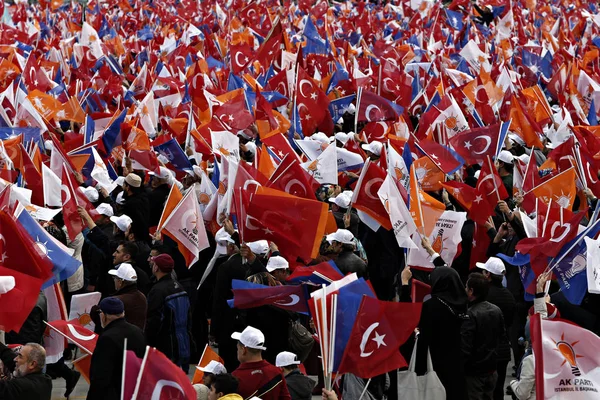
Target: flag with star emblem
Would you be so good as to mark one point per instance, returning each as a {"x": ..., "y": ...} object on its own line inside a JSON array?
[
  {"x": 561, "y": 189},
  {"x": 477, "y": 206},
  {"x": 311, "y": 101},
  {"x": 63, "y": 264},
  {"x": 476, "y": 144},
  {"x": 73, "y": 331},
  {"x": 250, "y": 295},
  {"x": 490, "y": 184},
  {"x": 443, "y": 158},
  {"x": 364, "y": 197},
  {"x": 380, "y": 328},
  {"x": 374, "y": 108},
  {"x": 185, "y": 226}
]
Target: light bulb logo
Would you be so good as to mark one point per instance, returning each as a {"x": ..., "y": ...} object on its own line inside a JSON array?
[
  {"x": 577, "y": 265},
  {"x": 568, "y": 352},
  {"x": 438, "y": 243}
]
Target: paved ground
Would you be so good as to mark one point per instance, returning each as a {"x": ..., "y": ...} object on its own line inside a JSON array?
[{"x": 81, "y": 389}]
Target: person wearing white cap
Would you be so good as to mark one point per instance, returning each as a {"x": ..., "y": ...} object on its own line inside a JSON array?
[
  {"x": 279, "y": 268},
  {"x": 257, "y": 376},
  {"x": 373, "y": 149},
  {"x": 494, "y": 270},
  {"x": 160, "y": 185},
  {"x": 300, "y": 386},
  {"x": 211, "y": 370},
  {"x": 504, "y": 164},
  {"x": 122, "y": 222},
  {"x": 341, "y": 243},
  {"x": 339, "y": 209},
  {"x": 125, "y": 280},
  {"x": 105, "y": 211},
  {"x": 90, "y": 193}
]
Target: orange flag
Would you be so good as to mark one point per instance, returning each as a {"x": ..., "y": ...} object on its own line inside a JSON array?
[
  {"x": 560, "y": 189},
  {"x": 208, "y": 355},
  {"x": 174, "y": 198},
  {"x": 83, "y": 364},
  {"x": 265, "y": 163},
  {"x": 45, "y": 104}
]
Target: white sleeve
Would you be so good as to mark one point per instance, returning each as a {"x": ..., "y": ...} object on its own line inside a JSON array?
[{"x": 525, "y": 386}]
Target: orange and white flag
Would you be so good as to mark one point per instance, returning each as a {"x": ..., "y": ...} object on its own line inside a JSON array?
[{"x": 208, "y": 355}]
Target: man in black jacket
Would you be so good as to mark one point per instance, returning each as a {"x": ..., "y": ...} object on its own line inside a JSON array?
[
  {"x": 107, "y": 361},
  {"x": 493, "y": 270},
  {"x": 137, "y": 205},
  {"x": 342, "y": 243},
  {"x": 28, "y": 381},
  {"x": 160, "y": 188},
  {"x": 300, "y": 386},
  {"x": 169, "y": 321},
  {"x": 481, "y": 335}
]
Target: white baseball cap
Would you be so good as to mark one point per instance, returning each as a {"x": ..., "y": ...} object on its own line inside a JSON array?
[
  {"x": 321, "y": 137},
  {"x": 251, "y": 147},
  {"x": 222, "y": 238},
  {"x": 259, "y": 247},
  {"x": 163, "y": 173},
  {"x": 125, "y": 271},
  {"x": 341, "y": 235},
  {"x": 120, "y": 199},
  {"x": 286, "y": 358},
  {"x": 91, "y": 193},
  {"x": 374, "y": 147},
  {"x": 250, "y": 337},
  {"x": 213, "y": 367},
  {"x": 342, "y": 200},
  {"x": 342, "y": 137},
  {"x": 123, "y": 222},
  {"x": 105, "y": 209},
  {"x": 277, "y": 262},
  {"x": 506, "y": 156},
  {"x": 493, "y": 265}
]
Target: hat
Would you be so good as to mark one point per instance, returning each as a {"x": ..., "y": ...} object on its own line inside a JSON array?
[
  {"x": 133, "y": 180},
  {"x": 374, "y": 147},
  {"x": 111, "y": 306},
  {"x": 49, "y": 145},
  {"x": 223, "y": 238},
  {"x": 476, "y": 174},
  {"x": 119, "y": 181},
  {"x": 506, "y": 156},
  {"x": 493, "y": 265},
  {"x": 202, "y": 391},
  {"x": 105, "y": 209},
  {"x": 277, "y": 262},
  {"x": 125, "y": 271},
  {"x": 120, "y": 199},
  {"x": 164, "y": 262},
  {"x": 7, "y": 283},
  {"x": 123, "y": 222},
  {"x": 91, "y": 194},
  {"x": 286, "y": 358},
  {"x": 163, "y": 173},
  {"x": 348, "y": 193},
  {"x": 342, "y": 137},
  {"x": 341, "y": 235},
  {"x": 213, "y": 367},
  {"x": 259, "y": 247},
  {"x": 251, "y": 147},
  {"x": 341, "y": 200},
  {"x": 250, "y": 337},
  {"x": 321, "y": 137}
]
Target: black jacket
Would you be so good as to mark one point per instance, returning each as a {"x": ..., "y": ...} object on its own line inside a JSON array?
[
  {"x": 300, "y": 386},
  {"x": 354, "y": 221},
  {"x": 33, "y": 328},
  {"x": 481, "y": 335},
  {"x": 348, "y": 262},
  {"x": 169, "y": 329},
  {"x": 107, "y": 361},
  {"x": 157, "y": 198},
  {"x": 501, "y": 297},
  {"x": 137, "y": 207},
  {"x": 36, "y": 386}
]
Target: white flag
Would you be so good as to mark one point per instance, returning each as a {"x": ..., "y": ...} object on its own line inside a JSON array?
[
  {"x": 402, "y": 222},
  {"x": 593, "y": 264},
  {"x": 100, "y": 172},
  {"x": 324, "y": 168},
  {"x": 81, "y": 305},
  {"x": 52, "y": 190}
]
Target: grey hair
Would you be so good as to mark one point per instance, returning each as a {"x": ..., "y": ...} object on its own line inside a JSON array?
[{"x": 37, "y": 354}]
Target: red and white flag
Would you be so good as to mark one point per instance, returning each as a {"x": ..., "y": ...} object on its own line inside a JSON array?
[
  {"x": 567, "y": 360},
  {"x": 83, "y": 338}
]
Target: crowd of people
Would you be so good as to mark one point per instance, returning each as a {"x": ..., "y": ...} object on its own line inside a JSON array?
[{"x": 173, "y": 176}]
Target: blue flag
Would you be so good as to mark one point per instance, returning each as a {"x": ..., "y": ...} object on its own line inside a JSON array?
[
  {"x": 173, "y": 152},
  {"x": 112, "y": 134},
  {"x": 454, "y": 19},
  {"x": 63, "y": 264},
  {"x": 90, "y": 127},
  {"x": 338, "y": 107}
]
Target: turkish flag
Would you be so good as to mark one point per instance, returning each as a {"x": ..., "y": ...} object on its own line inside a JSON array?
[
  {"x": 160, "y": 379},
  {"x": 287, "y": 297},
  {"x": 372, "y": 107},
  {"x": 380, "y": 328},
  {"x": 471, "y": 200},
  {"x": 365, "y": 196},
  {"x": 131, "y": 371},
  {"x": 17, "y": 303},
  {"x": 312, "y": 103},
  {"x": 490, "y": 184},
  {"x": 234, "y": 114},
  {"x": 240, "y": 55},
  {"x": 477, "y": 144},
  {"x": 82, "y": 337},
  {"x": 291, "y": 178},
  {"x": 439, "y": 155}
]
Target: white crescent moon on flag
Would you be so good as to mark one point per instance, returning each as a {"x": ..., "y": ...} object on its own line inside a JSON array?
[
  {"x": 156, "y": 393},
  {"x": 385, "y": 127},
  {"x": 249, "y": 224},
  {"x": 490, "y": 176},
  {"x": 385, "y": 86},
  {"x": 300, "y": 105},
  {"x": 78, "y": 335},
  {"x": 488, "y": 142},
  {"x": 294, "y": 300},
  {"x": 237, "y": 60},
  {"x": 65, "y": 189},
  {"x": 250, "y": 182},
  {"x": 590, "y": 175},
  {"x": 369, "y": 185},
  {"x": 368, "y": 111},
  {"x": 284, "y": 90},
  {"x": 302, "y": 83},
  {"x": 293, "y": 182},
  {"x": 365, "y": 338},
  {"x": 555, "y": 225}
]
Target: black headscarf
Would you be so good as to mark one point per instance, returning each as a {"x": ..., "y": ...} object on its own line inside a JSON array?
[{"x": 446, "y": 285}]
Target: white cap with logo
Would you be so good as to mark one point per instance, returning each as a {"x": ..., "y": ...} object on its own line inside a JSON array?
[
  {"x": 506, "y": 157},
  {"x": 286, "y": 358},
  {"x": 125, "y": 271},
  {"x": 105, "y": 209},
  {"x": 374, "y": 147},
  {"x": 493, "y": 265},
  {"x": 259, "y": 247},
  {"x": 250, "y": 337}
]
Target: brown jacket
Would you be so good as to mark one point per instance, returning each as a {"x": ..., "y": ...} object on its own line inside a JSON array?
[{"x": 135, "y": 305}]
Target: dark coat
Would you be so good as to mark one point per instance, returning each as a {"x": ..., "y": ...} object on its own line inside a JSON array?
[
  {"x": 348, "y": 262},
  {"x": 135, "y": 304},
  {"x": 300, "y": 386},
  {"x": 36, "y": 386},
  {"x": 503, "y": 299},
  {"x": 274, "y": 323},
  {"x": 481, "y": 335},
  {"x": 107, "y": 361},
  {"x": 33, "y": 328},
  {"x": 137, "y": 207},
  {"x": 161, "y": 331},
  {"x": 157, "y": 198},
  {"x": 354, "y": 221}
]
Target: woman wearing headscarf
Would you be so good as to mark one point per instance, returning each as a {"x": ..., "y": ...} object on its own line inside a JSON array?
[{"x": 441, "y": 318}]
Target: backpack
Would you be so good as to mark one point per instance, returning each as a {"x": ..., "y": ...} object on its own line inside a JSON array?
[{"x": 300, "y": 340}]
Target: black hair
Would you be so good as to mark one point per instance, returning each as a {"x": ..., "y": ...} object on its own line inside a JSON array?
[
  {"x": 479, "y": 285},
  {"x": 226, "y": 384},
  {"x": 160, "y": 248},
  {"x": 57, "y": 233},
  {"x": 130, "y": 248}
]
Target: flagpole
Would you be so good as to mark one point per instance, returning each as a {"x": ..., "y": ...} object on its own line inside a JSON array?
[
  {"x": 332, "y": 336},
  {"x": 123, "y": 372},
  {"x": 364, "y": 389},
  {"x": 493, "y": 178},
  {"x": 583, "y": 235},
  {"x": 546, "y": 219},
  {"x": 139, "y": 378}
]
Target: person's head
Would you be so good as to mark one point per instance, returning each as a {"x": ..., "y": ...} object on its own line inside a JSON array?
[
  {"x": 122, "y": 225},
  {"x": 162, "y": 177},
  {"x": 250, "y": 344},
  {"x": 287, "y": 361},
  {"x": 223, "y": 385},
  {"x": 132, "y": 184},
  {"x": 111, "y": 309},
  {"x": 211, "y": 370},
  {"x": 341, "y": 202},
  {"x": 373, "y": 150},
  {"x": 279, "y": 268},
  {"x": 260, "y": 248},
  {"x": 504, "y": 162},
  {"x": 446, "y": 285},
  {"x": 340, "y": 240},
  {"x": 477, "y": 287},
  {"x": 157, "y": 249},
  {"x": 493, "y": 269},
  {"x": 29, "y": 360},
  {"x": 126, "y": 252},
  {"x": 225, "y": 244},
  {"x": 105, "y": 211},
  {"x": 162, "y": 265},
  {"x": 124, "y": 275}
]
